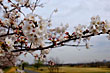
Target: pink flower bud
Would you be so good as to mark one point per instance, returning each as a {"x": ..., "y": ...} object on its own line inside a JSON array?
[
  {"x": 58, "y": 39},
  {"x": 53, "y": 37},
  {"x": 74, "y": 33},
  {"x": 15, "y": 31},
  {"x": 33, "y": 30},
  {"x": 67, "y": 33},
  {"x": 66, "y": 36},
  {"x": 18, "y": 39},
  {"x": 50, "y": 39},
  {"x": 21, "y": 37}
]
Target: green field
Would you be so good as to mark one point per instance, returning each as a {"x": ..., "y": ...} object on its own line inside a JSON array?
[{"x": 73, "y": 70}]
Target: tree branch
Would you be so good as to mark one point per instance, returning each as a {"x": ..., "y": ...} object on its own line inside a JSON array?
[{"x": 7, "y": 34}]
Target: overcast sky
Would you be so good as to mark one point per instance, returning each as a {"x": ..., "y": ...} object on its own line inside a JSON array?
[{"x": 77, "y": 12}]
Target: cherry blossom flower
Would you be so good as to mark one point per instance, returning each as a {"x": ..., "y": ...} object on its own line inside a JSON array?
[
  {"x": 46, "y": 51},
  {"x": 9, "y": 41},
  {"x": 30, "y": 16},
  {"x": 107, "y": 25},
  {"x": 7, "y": 22},
  {"x": 79, "y": 30},
  {"x": 42, "y": 57},
  {"x": 61, "y": 29},
  {"x": 95, "y": 25},
  {"x": 27, "y": 27}
]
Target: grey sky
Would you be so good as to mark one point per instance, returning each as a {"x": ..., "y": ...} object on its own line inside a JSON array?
[{"x": 77, "y": 12}]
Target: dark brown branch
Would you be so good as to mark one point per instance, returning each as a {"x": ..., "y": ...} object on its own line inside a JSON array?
[
  {"x": 8, "y": 30},
  {"x": 3, "y": 7},
  {"x": 7, "y": 34}
]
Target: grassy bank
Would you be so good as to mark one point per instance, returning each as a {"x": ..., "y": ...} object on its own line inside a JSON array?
[
  {"x": 10, "y": 70},
  {"x": 72, "y": 70}
]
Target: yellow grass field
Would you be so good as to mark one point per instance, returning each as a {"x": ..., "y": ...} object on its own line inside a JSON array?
[
  {"x": 10, "y": 70},
  {"x": 73, "y": 70},
  {"x": 66, "y": 70}
]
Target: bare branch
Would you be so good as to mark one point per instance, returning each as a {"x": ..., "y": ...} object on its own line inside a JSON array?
[{"x": 7, "y": 34}]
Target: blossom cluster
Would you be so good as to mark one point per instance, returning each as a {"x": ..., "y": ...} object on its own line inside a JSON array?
[
  {"x": 97, "y": 26},
  {"x": 19, "y": 30}
]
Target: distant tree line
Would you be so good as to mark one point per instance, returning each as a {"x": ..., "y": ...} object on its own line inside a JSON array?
[{"x": 92, "y": 64}]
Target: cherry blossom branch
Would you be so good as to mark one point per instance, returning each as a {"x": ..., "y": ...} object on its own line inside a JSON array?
[{"x": 59, "y": 43}]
